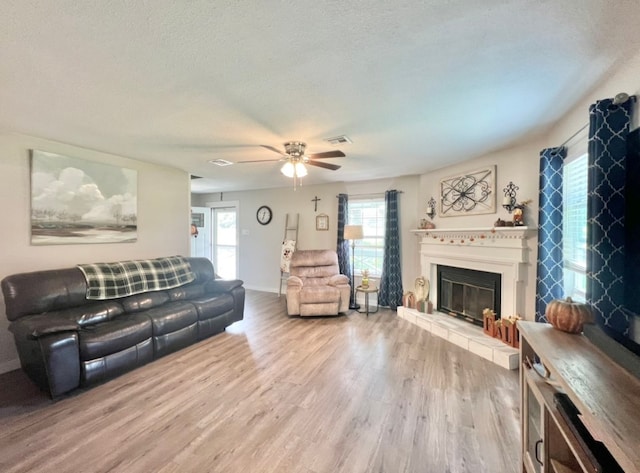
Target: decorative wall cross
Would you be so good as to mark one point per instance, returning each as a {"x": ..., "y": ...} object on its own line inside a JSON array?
[{"x": 315, "y": 202}]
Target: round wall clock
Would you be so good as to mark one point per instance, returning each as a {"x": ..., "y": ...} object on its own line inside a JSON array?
[{"x": 264, "y": 215}]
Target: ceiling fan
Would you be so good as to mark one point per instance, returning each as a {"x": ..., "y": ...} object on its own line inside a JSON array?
[{"x": 294, "y": 154}]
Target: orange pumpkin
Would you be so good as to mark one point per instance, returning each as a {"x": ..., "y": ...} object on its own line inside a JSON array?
[{"x": 567, "y": 315}]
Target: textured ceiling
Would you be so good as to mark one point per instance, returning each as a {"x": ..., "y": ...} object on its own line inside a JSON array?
[{"x": 415, "y": 84}]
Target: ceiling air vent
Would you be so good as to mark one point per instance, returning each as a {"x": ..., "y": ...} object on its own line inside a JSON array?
[
  {"x": 339, "y": 140},
  {"x": 221, "y": 162}
]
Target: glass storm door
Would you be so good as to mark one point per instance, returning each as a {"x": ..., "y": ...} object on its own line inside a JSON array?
[{"x": 224, "y": 241}]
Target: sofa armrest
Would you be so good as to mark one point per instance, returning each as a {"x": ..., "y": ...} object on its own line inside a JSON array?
[
  {"x": 223, "y": 285},
  {"x": 36, "y": 326},
  {"x": 235, "y": 288},
  {"x": 338, "y": 280},
  {"x": 294, "y": 281},
  {"x": 51, "y": 359}
]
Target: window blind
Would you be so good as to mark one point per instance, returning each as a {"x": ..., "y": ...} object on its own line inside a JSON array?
[{"x": 574, "y": 244}]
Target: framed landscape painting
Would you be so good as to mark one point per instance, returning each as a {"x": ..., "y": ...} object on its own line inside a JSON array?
[
  {"x": 75, "y": 201},
  {"x": 469, "y": 193}
]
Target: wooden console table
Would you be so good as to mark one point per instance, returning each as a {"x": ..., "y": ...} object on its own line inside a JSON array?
[{"x": 607, "y": 396}]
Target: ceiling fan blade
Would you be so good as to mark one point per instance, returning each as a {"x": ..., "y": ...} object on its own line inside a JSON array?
[
  {"x": 259, "y": 161},
  {"x": 275, "y": 150},
  {"x": 327, "y": 154},
  {"x": 320, "y": 164}
]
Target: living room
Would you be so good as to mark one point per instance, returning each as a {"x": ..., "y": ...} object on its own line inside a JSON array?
[{"x": 165, "y": 195}]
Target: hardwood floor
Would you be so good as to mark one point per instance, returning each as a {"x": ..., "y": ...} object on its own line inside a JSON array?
[{"x": 278, "y": 394}]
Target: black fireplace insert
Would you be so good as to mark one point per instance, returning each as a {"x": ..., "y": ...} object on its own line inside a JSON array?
[{"x": 465, "y": 293}]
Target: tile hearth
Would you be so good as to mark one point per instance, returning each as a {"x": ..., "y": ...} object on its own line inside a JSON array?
[{"x": 465, "y": 335}]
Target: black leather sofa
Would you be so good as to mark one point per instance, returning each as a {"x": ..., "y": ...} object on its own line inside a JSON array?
[{"x": 66, "y": 341}]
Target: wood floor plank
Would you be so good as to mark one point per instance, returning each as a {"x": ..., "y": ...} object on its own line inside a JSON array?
[{"x": 278, "y": 394}]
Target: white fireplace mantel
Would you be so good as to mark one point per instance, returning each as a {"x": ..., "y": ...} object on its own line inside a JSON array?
[
  {"x": 502, "y": 250},
  {"x": 475, "y": 236}
]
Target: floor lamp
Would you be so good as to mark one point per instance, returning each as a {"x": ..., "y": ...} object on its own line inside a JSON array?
[{"x": 353, "y": 233}]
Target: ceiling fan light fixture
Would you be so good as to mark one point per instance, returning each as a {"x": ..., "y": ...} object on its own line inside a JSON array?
[
  {"x": 288, "y": 169},
  {"x": 301, "y": 170}
]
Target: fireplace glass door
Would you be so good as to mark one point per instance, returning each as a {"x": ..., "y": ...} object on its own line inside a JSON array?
[{"x": 466, "y": 293}]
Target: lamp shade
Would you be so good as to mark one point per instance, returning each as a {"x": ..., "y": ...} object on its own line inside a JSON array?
[
  {"x": 353, "y": 232},
  {"x": 301, "y": 170},
  {"x": 294, "y": 170},
  {"x": 288, "y": 169}
]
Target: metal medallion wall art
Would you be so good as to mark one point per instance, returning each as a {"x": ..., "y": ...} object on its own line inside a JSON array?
[{"x": 470, "y": 193}]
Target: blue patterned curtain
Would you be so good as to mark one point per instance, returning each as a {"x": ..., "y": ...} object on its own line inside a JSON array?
[
  {"x": 391, "y": 280},
  {"x": 549, "y": 283},
  {"x": 608, "y": 129},
  {"x": 344, "y": 256}
]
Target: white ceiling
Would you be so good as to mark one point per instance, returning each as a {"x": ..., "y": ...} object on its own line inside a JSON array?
[{"x": 415, "y": 84}]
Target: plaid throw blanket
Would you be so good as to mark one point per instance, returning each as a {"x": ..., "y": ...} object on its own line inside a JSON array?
[{"x": 125, "y": 278}]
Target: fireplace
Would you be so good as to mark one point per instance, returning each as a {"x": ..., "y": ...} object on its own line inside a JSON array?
[
  {"x": 465, "y": 293},
  {"x": 503, "y": 251}
]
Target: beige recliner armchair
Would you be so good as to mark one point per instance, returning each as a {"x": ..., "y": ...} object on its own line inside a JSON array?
[{"x": 315, "y": 285}]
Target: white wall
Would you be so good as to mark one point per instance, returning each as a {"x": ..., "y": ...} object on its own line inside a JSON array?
[
  {"x": 163, "y": 219},
  {"x": 260, "y": 244}
]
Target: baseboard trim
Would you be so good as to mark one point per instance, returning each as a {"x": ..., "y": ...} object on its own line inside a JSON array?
[{"x": 10, "y": 365}]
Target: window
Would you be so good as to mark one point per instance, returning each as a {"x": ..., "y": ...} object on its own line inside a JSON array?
[
  {"x": 370, "y": 213},
  {"x": 574, "y": 227}
]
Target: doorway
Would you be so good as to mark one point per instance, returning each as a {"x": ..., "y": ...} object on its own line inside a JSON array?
[
  {"x": 224, "y": 241},
  {"x": 219, "y": 237}
]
